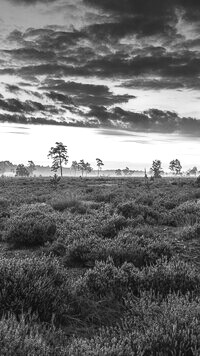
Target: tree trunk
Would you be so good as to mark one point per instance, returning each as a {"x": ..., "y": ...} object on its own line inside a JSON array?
[{"x": 61, "y": 173}]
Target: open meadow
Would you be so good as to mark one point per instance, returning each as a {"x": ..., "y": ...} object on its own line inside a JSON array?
[{"x": 99, "y": 266}]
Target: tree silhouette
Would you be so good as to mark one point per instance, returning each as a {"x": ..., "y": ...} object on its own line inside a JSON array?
[
  {"x": 5, "y": 166},
  {"x": 59, "y": 156},
  {"x": 31, "y": 167},
  {"x": 156, "y": 168},
  {"x": 84, "y": 167},
  {"x": 100, "y": 164},
  {"x": 192, "y": 171},
  {"x": 75, "y": 166},
  {"x": 126, "y": 171},
  {"x": 118, "y": 172},
  {"x": 175, "y": 166},
  {"x": 22, "y": 171}
]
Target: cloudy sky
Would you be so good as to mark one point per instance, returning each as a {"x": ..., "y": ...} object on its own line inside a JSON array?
[{"x": 109, "y": 65}]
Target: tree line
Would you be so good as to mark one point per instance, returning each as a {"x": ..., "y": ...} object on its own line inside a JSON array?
[{"x": 59, "y": 156}]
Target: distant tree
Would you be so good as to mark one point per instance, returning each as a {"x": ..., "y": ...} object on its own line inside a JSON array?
[
  {"x": 175, "y": 166},
  {"x": 192, "y": 171},
  {"x": 118, "y": 172},
  {"x": 81, "y": 166},
  {"x": 31, "y": 167},
  {"x": 126, "y": 171},
  {"x": 156, "y": 168},
  {"x": 88, "y": 168},
  {"x": 74, "y": 166},
  {"x": 22, "y": 171},
  {"x": 59, "y": 156},
  {"x": 100, "y": 164},
  {"x": 84, "y": 167},
  {"x": 6, "y": 166}
]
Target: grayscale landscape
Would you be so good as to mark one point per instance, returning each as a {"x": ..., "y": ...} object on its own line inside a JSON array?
[{"x": 99, "y": 178}]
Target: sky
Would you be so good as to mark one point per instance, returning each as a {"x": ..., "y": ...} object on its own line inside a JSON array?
[{"x": 124, "y": 73}]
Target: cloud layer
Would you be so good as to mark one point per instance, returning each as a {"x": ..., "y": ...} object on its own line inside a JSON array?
[{"x": 84, "y": 68}]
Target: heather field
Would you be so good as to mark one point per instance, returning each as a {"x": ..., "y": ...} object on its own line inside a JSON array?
[{"x": 99, "y": 266}]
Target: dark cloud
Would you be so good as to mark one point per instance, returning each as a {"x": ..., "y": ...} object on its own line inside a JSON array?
[
  {"x": 16, "y": 106},
  {"x": 139, "y": 26},
  {"x": 87, "y": 94},
  {"x": 117, "y": 120},
  {"x": 12, "y": 88},
  {"x": 153, "y": 120},
  {"x": 31, "y": 54},
  {"x": 153, "y": 8},
  {"x": 175, "y": 67},
  {"x": 31, "y": 2},
  {"x": 60, "y": 97},
  {"x": 162, "y": 83}
]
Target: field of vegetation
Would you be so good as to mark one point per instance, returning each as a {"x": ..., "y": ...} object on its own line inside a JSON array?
[{"x": 99, "y": 266}]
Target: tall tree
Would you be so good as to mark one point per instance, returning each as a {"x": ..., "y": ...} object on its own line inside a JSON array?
[
  {"x": 156, "y": 168},
  {"x": 175, "y": 166},
  {"x": 74, "y": 166},
  {"x": 88, "y": 168},
  {"x": 81, "y": 166},
  {"x": 100, "y": 164},
  {"x": 59, "y": 156},
  {"x": 31, "y": 167},
  {"x": 84, "y": 167},
  {"x": 22, "y": 171}
]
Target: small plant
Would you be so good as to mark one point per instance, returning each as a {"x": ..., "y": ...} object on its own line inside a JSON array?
[
  {"x": 33, "y": 284},
  {"x": 30, "y": 229},
  {"x": 55, "y": 180}
]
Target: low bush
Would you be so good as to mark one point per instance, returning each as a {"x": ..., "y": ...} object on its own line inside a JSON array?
[
  {"x": 170, "y": 276},
  {"x": 190, "y": 232},
  {"x": 34, "y": 284},
  {"x": 111, "y": 226},
  {"x": 71, "y": 203},
  {"x": 186, "y": 213},
  {"x": 83, "y": 252},
  {"x": 149, "y": 328},
  {"x": 30, "y": 228},
  {"x": 135, "y": 249},
  {"x": 19, "y": 339},
  {"x": 132, "y": 210},
  {"x": 106, "y": 280}
]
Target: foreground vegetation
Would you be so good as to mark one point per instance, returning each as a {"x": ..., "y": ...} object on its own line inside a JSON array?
[{"x": 99, "y": 266}]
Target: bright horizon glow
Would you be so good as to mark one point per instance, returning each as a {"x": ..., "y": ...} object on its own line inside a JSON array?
[{"x": 118, "y": 149}]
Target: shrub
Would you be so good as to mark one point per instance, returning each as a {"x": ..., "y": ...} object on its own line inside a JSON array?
[
  {"x": 190, "y": 232},
  {"x": 132, "y": 210},
  {"x": 19, "y": 339},
  {"x": 171, "y": 327},
  {"x": 71, "y": 203},
  {"x": 186, "y": 213},
  {"x": 106, "y": 280},
  {"x": 82, "y": 252},
  {"x": 170, "y": 276},
  {"x": 110, "y": 228},
  {"x": 105, "y": 197},
  {"x": 198, "y": 181},
  {"x": 36, "y": 284},
  {"x": 135, "y": 249},
  {"x": 30, "y": 228}
]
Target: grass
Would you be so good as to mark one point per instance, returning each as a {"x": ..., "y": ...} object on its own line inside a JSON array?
[{"x": 99, "y": 266}]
